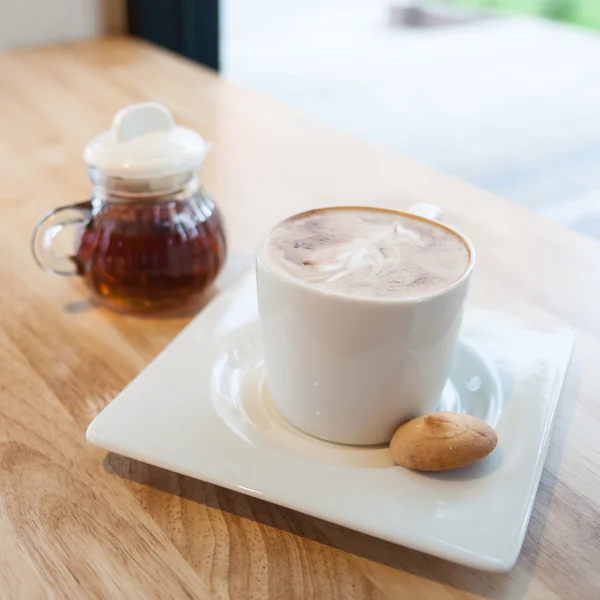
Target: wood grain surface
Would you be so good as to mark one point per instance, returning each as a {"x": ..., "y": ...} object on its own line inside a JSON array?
[{"x": 76, "y": 523}]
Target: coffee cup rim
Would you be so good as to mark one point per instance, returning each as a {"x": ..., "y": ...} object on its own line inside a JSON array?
[{"x": 375, "y": 300}]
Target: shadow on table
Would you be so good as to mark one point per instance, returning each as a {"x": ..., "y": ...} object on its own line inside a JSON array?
[
  {"x": 190, "y": 310},
  {"x": 512, "y": 585}
]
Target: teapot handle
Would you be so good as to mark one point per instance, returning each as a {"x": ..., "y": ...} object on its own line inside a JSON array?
[{"x": 46, "y": 229}]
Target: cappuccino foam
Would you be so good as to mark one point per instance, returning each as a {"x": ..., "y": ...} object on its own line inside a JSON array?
[{"x": 366, "y": 253}]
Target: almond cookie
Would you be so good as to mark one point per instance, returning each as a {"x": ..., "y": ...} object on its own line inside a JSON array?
[{"x": 441, "y": 441}]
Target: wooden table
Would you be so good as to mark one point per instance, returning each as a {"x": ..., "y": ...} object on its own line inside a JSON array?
[{"x": 75, "y": 523}]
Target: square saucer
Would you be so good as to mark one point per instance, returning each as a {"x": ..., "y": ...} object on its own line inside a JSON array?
[{"x": 202, "y": 409}]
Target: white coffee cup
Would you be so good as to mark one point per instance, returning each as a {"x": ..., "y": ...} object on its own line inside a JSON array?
[{"x": 350, "y": 370}]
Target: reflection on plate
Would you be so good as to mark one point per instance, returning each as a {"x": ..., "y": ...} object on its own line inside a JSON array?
[{"x": 241, "y": 397}]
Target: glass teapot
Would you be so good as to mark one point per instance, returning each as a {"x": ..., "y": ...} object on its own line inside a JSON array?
[{"x": 150, "y": 237}]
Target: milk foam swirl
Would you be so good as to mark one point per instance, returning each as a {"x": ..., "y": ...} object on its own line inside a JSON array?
[
  {"x": 367, "y": 253},
  {"x": 374, "y": 253}
]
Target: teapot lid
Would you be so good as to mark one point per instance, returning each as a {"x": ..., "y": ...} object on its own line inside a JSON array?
[{"x": 143, "y": 142}]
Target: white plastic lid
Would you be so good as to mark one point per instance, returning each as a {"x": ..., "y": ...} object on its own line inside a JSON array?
[{"x": 143, "y": 142}]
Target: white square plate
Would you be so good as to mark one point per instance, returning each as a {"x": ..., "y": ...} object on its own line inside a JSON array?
[{"x": 202, "y": 408}]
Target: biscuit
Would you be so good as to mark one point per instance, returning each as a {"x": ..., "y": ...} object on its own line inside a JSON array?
[{"x": 441, "y": 441}]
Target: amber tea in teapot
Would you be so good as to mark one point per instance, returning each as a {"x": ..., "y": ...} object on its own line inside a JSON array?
[
  {"x": 141, "y": 255},
  {"x": 150, "y": 237}
]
